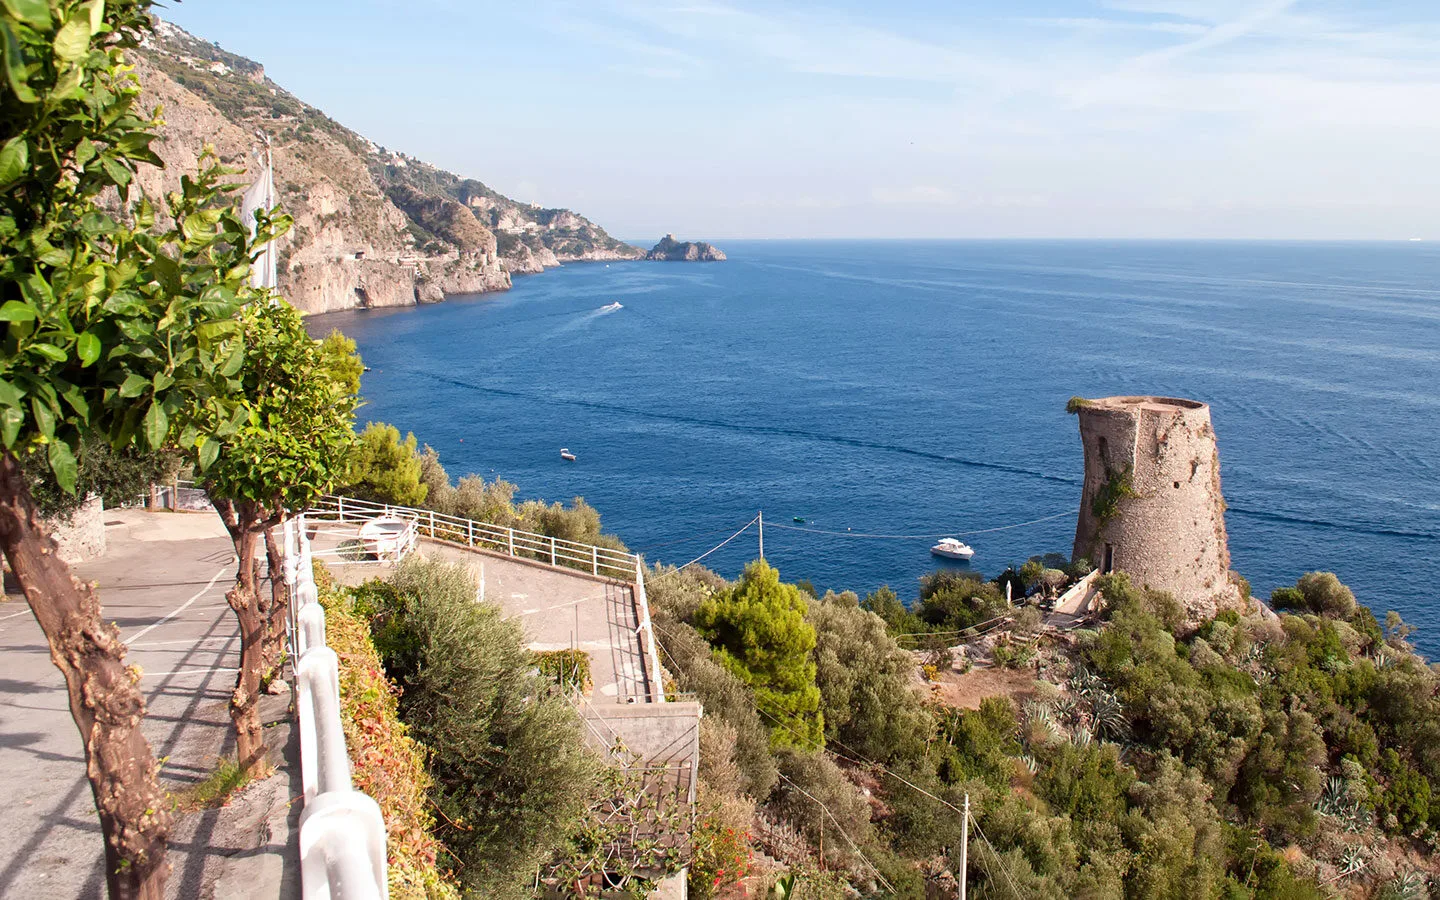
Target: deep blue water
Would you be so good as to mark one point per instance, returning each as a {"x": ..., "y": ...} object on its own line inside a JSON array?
[{"x": 920, "y": 388}]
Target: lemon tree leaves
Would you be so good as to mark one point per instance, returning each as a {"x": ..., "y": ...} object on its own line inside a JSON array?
[{"x": 108, "y": 326}]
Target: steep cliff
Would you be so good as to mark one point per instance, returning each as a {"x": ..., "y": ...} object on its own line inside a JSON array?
[
  {"x": 372, "y": 227},
  {"x": 671, "y": 250}
]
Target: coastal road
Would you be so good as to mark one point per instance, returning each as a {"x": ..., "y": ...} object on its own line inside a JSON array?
[{"x": 163, "y": 581}]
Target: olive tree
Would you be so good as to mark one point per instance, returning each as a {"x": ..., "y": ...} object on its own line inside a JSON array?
[
  {"x": 112, "y": 328},
  {"x": 291, "y": 446}
]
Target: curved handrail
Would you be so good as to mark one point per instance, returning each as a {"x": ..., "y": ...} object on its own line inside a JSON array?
[{"x": 342, "y": 833}]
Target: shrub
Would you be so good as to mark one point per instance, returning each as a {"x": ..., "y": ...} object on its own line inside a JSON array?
[
  {"x": 567, "y": 668},
  {"x": 811, "y": 791},
  {"x": 720, "y": 849},
  {"x": 513, "y": 778},
  {"x": 864, "y": 679},
  {"x": 1317, "y": 592},
  {"x": 952, "y": 600},
  {"x": 388, "y": 764}
]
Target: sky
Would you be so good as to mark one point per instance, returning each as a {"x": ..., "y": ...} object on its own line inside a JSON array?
[{"x": 1274, "y": 119}]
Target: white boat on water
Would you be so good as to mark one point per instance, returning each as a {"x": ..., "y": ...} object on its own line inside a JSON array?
[
  {"x": 566, "y": 454},
  {"x": 951, "y": 548},
  {"x": 611, "y": 307}
]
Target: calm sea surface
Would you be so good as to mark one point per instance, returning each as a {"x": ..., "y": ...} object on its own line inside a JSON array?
[{"x": 889, "y": 388}]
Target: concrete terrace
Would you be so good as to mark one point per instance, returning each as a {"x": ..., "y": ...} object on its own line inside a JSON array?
[{"x": 560, "y": 608}]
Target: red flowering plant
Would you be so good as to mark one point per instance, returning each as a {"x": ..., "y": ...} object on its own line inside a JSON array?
[{"x": 720, "y": 855}]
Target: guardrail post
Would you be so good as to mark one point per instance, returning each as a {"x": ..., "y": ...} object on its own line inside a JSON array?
[
  {"x": 341, "y": 508},
  {"x": 469, "y": 532},
  {"x": 552, "y": 550},
  {"x": 432, "y": 523},
  {"x": 595, "y": 560},
  {"x": 510, "y": 539}
]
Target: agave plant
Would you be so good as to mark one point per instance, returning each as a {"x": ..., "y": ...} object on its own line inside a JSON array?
[
  {"x": 1081, "y": 737},
  {"x": 1409, "y": 886},
  {"x": 1353, "y": 860},
  {"x": 1335, "y": 798},
  {"x": 1108, "y": 714}
]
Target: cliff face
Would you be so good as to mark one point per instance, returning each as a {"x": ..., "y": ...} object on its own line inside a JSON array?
[
  {"x": 671, "y": 250},
  {"x": 372, "y": 227}
]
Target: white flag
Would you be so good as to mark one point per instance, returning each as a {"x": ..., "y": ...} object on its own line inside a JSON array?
[{"x": 261, "y": 195}]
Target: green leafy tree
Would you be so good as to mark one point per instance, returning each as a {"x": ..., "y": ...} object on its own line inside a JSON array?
[
  {"x": 759, "y": 633},
  {"x": 290, "y": 448},
  {"x": 114, "y": 328},
  {"x": 343, "y": 360},
  {"x": 118, "y": 476},
  {"x": 386, "y": 469}
]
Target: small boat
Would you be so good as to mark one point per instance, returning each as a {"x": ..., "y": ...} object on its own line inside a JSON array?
[
  {"x": 951, "y": 548},
  {"x": 799, "y": 520},
  {"x": 612, "y": 307},
  {"x": 566, "y": 454}
]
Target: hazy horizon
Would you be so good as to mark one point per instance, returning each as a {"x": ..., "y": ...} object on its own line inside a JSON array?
[{"x": 1054, "y": 119}]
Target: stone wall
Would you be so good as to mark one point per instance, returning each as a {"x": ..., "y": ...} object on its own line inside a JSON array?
[
  {"x": 1152, "y": 464},
  {"x": 82, "y": 536}
]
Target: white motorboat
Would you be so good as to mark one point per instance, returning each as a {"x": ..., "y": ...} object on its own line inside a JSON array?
[
  {"x": 565, "y": 454},
  {"x": 612, "y": 307},
  {"x": 951, "y": 548}
]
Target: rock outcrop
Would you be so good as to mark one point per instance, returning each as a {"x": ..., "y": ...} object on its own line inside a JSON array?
[
  {"x": 671, "y": 250},
  {"x": 372, "y": 227}
]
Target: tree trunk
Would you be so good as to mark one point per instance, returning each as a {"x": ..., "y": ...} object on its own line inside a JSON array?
[
  {"x": 275, "y": 616},
  {"x": 243, "y": 520},
  {"x": 105, "y": 698}
]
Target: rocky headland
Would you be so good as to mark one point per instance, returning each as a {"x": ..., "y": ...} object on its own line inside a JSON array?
[
  {"x": 671, "y": 250},
  {"x": 373, "y": 227}
]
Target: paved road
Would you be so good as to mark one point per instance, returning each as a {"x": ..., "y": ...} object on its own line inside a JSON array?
[{"x": 163, "y": 581}]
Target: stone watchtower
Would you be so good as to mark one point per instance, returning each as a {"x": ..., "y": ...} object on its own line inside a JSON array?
[{"x": 1151, "y": 505}]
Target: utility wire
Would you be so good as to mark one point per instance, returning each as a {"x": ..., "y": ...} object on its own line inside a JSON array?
[
  {"x": 861, "y": 760},
  {"x": 692, "y": 562},
  {"x": 853, "y": 846},
  {"x": 685, "y": 540},
  {"x": 918, "y": 537},
  {"x": 1004, "y": 869},
  {"x": 924, "y": 634}
]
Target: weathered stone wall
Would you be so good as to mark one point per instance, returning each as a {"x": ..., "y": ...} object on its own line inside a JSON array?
[
  {"x": 1168, "y": 530},
  {"x": 82, "y": 536}
]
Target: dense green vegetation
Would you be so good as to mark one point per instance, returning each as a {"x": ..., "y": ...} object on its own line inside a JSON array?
[{"x": 1252, "y": 757}]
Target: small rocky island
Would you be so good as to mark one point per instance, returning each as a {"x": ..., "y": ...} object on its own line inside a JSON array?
[{"x": 671, "y": 250}]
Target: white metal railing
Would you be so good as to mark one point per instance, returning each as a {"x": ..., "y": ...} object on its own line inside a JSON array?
[
  {"x": 342, "y": 833},
  {"x": 600, "y": 561}
]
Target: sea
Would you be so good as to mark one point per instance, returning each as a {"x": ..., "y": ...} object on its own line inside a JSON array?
[{"x": 869, "y": 397}]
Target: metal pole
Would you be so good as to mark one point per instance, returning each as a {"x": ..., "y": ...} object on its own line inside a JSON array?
[
  {"x": 760, "y": 517},
  {"x": 510, "y": 539},
  {"x": 552, "y": 550},
  {"x": 594, "y": 560},
  {"x": 965, "y": 848}
]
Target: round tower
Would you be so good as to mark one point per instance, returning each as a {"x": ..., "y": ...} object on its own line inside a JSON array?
[{"x": 1151, "y": 505}]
